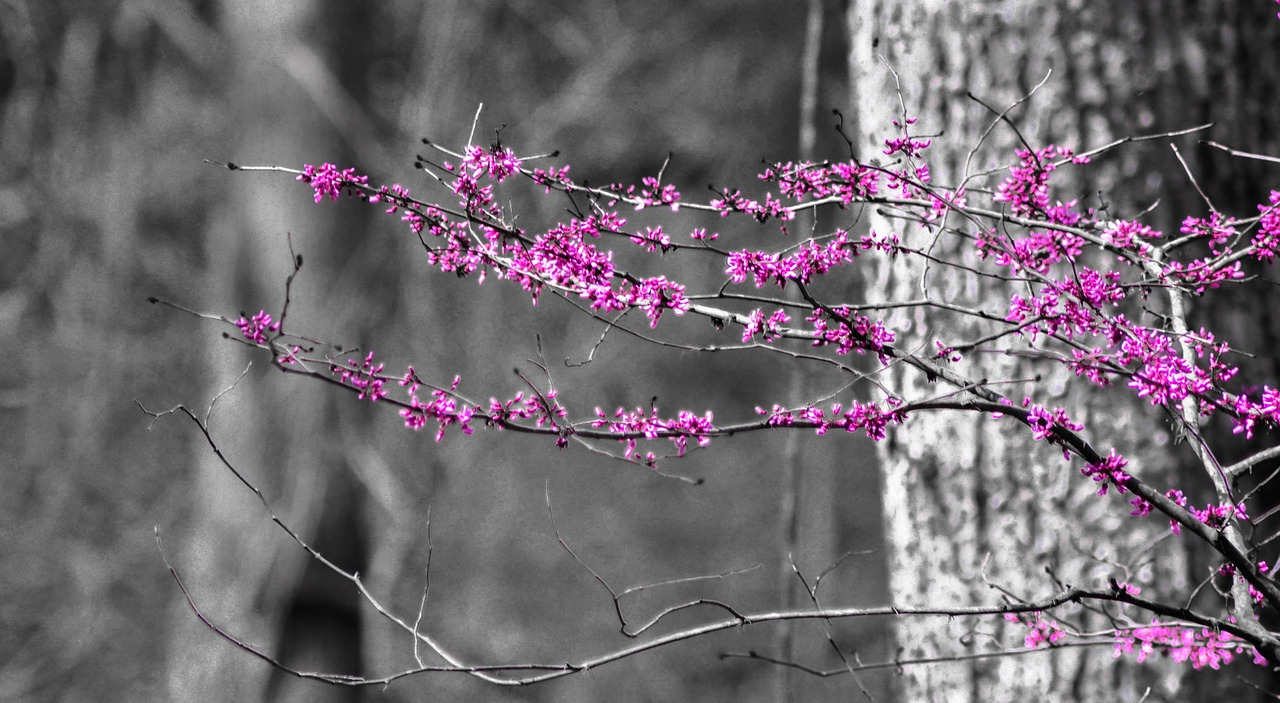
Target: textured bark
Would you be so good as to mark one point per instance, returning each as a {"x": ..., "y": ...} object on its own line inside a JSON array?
[
  {"x": 970, "y": 501},
  {"x": 962, "y": 489}
]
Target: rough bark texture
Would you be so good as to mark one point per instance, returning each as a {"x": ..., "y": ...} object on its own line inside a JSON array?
[
  {"x": 973, "y": 503},
  {"x": 962, "y": 489}
]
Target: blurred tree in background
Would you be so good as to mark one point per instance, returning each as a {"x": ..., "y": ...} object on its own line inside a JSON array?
[{"x": 108, "y": 109}]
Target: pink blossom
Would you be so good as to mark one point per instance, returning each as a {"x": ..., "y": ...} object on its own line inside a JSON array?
[
  {"x": 1110, "y": 472},
  {"x": 1200, "y": 647},
  {"x": 735, "y": 202},
  {"x": 443, "y": 407},
  {"x": 863, "y": 335},
  {"x": 650, "y": 425},
  {"x": 328, "y": 180},
  {"x": 255, "y": 329},
  {"x": 1126, "y": 234},
  {"x": 654, "y": 193},
  {"x": 653, "y": 239},
  {"x": 1042, "y": 631},
  {"x": 1027, "y": 188},
  {"x": 552, "y": 176},
  {"x": 770, "y": 326},
  {"x": 1217, "y": 230},
  {"x": 868, "y": 417},
  {"x": 365, "y": 377},
  {"x": 495, "y": 162},
  {"x": 655, "y": 296},
  {"x": 1267, "y": 239}
]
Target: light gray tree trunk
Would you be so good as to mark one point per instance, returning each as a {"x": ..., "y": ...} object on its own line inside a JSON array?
[{"x": 972, "y": 503}]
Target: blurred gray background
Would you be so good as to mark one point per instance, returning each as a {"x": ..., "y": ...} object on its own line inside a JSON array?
[{"x": 107, "y": 110}]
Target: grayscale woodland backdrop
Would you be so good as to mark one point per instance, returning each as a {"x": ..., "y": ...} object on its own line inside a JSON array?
[{"x": 107, "y": 110}]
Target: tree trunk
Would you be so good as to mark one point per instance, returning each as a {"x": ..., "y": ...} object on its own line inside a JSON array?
[{"x": 968, "y": 500}]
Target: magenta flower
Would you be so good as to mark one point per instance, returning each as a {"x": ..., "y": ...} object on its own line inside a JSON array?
[
  {"x": 655, "y": 193},
  {"x": 496, "y": 162},
  {"x": 770, "y": 326},
  {"x": 255, "y": 329},
  {"x": 650, "y": 426},
  {"x": 552, "y": 177},
  {"x": 1027, "y": 188},
  {"x": 1042, "y": 631},
  {"x": 1200, "y": 648},
  {"x": 1110, "y": 472},
  {"x": 863, "y": 335},
  {"x": 1267, "y": 239},
  {"x": 328, "y": 180},
  {"x": 365, "y": 377},
  {"x": 655, "y": 296}
]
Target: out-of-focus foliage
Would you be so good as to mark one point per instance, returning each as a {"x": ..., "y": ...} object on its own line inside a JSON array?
[{"x": 106, "y": 111}]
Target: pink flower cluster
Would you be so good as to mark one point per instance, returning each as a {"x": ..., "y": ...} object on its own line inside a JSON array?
[
  {"x": 563, "y": 257},
  {"x": 906, "y": 145},
  {"x": 1027, "y": 188},
  {"x": 398, "y": 197},
  {"x": 1203, "y": 647},
  {"x": 1200, "y": 274},
  {"x": 496, "y": 162},
  {"x": 1076, "y": 307},
  {"x": 328, "y": 180},
  {"x": 1215, "y": 516},
  {"x": 545, "y": 410},
  {"x": 1248, "y": 412},
  {"x": 1110, "y": 472},
  {"x": 655, "y": 296},
  {"x": 638, "y": 423},
  {"x": 1126, "y": 234},
  {"x": 946, "y": 353},
  {"x": 1042, "y": 631},
  {"x": 797, "y": 181},
  {"x": 552, "y": 177},
  {"x": 863, "y": 335},
  {"x": 1043, "y": 421},
  {"x": 770, "y": 326},
  {"x": 1267, "y": 239},
  {"x": 654, "y": 193},
  {"x": 809, "y": 260},
  {"x": 476, "y": 199},
  {"x": 652, "y": 239},
  {"x": 869, "y": 417},
  {"x": 560, "y": 256},
  {"x": 255, "y": 329},
  {"x": 770, "y": 209},
  {"x": 944, "y": 201},
  {"x": 911, "y": 148},
  {"x": 1036, "y": 251},
  {"x": 443, "y": 408},
  {"x": 650, "y": 194},
  {"x": 1068, "y": 307},
  {"x": 847, "y": 181},
  {"x": 1218, "y": 231},
  {"x": 365, "y": 377}
]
